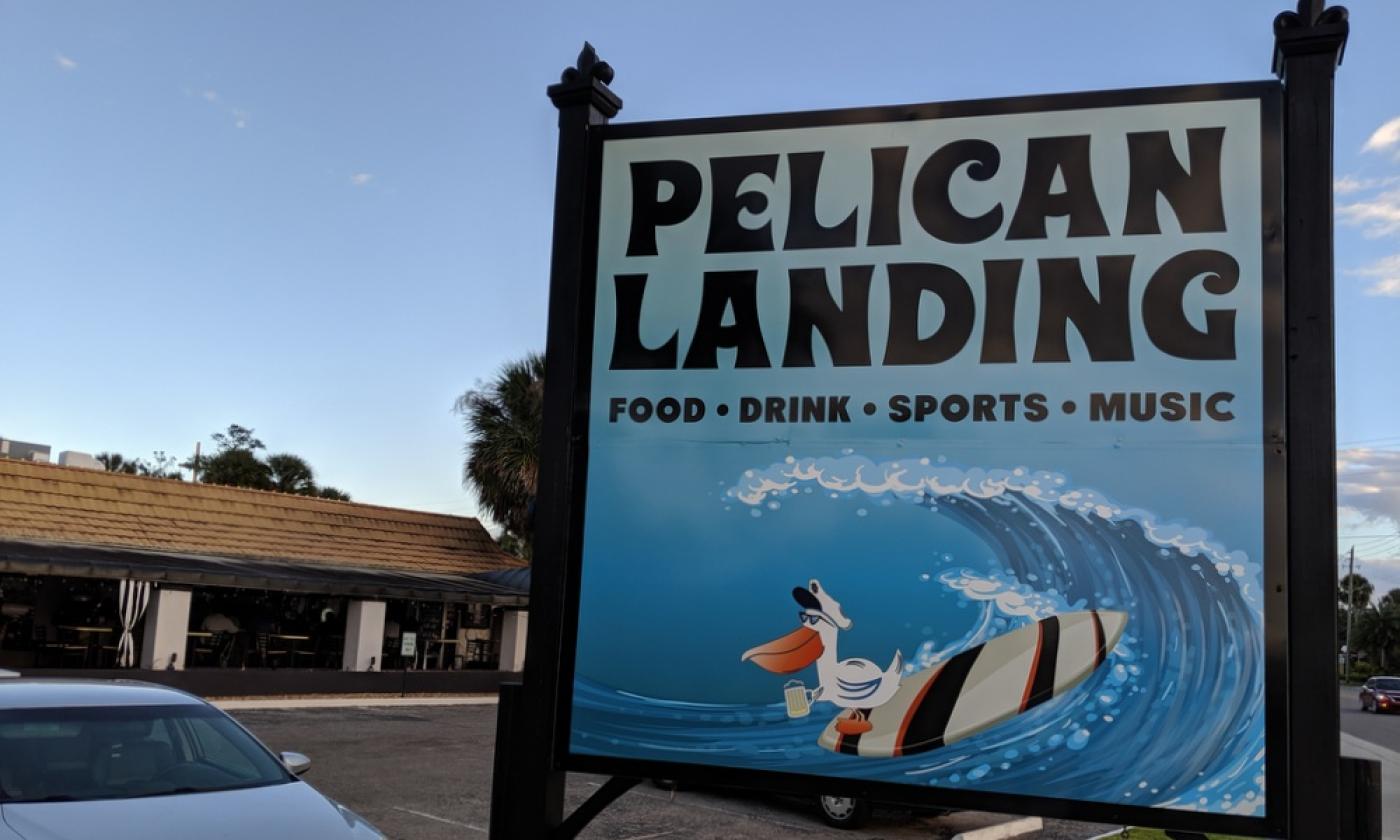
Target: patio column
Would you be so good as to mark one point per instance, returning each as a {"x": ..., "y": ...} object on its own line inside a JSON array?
[
  {"x": 364, "y": 636},
  {"x": 513, "y": 627},
  {"x": 167, "y": 623}
]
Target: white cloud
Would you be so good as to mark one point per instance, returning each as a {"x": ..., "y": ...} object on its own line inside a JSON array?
[
  {"x": 209, "y": 95},
  {"x": 1368, "y": 483},
  {"x": 1348, "y": 184},
  {"x": 1385, "y": 138},
  {"x": 64, "y": 62},
  {"x": 359, "y": 179},
  {"x": 1385, "y": 276},
  {"x": 240, "y": 118},
  {"x": 1379, "y": 214}
]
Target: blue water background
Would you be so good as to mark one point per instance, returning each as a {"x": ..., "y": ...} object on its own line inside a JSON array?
[{"x": 928, "y": 557}]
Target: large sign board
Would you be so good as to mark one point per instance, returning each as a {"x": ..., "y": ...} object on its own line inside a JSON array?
[{"x": 928, "y": 456}]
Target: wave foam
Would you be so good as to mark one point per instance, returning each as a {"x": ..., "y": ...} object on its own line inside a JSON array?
[{"x": 917, "y": 478}]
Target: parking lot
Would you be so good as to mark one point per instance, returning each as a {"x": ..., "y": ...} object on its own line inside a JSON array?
[{"x": 424, "y": 773}]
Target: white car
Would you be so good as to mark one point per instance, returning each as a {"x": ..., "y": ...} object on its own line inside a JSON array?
[{"x": 122, "y": 760}]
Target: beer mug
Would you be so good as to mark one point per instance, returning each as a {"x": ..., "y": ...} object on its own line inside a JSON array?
[{"x": 798, "y": 698}]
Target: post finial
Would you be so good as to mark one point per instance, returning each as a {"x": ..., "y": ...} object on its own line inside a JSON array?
[
  {"x": 586, "y": 82},
  {"x": 1314, "y": 28}
]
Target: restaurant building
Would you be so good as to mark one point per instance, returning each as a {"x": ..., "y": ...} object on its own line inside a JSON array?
[{"x": 105, "y": 572}]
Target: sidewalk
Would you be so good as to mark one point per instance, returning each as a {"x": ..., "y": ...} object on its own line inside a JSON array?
[
  {"x": 1390, "y": 779},
  {"x": 232, "y": 704}
]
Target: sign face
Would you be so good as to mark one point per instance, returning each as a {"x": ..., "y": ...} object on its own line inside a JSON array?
[
  {"x": 928, "y": 455},
  {"x": 408, "y": 644}
]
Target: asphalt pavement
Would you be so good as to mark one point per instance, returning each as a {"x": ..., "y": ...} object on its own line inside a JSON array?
[
  {"x": 1381, "y": 730},
  {"x": 424, "y": 773}
]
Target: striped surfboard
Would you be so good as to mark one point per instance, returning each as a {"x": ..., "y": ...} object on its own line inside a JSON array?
[{"x": 985, "y": 685}]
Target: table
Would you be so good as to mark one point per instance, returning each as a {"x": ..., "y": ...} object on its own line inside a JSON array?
[
  {"x": 84, "y": 631},
  {"x": 293, "y": 649},
  {"x": 442, "y": 647}
]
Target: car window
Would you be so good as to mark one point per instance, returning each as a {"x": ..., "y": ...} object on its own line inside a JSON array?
[
  {"x": 214, "y": 747},
  {"x": 69, "y": 754},
  {"x": 1387, "y": 684}
]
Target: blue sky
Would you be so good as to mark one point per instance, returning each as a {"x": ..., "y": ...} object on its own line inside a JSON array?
[{"x": 325, "y": 220}]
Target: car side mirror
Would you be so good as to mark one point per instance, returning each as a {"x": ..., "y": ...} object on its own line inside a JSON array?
[{"x": 296, "y": 762}]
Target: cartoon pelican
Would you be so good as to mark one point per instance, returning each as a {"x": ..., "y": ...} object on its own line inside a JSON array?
[{"x": 857, "y": 685}]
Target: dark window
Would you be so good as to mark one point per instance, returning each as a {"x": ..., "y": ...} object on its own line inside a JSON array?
[{"x": 70, "y": 754}]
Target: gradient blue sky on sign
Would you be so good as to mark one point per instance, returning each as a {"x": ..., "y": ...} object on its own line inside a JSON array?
[{"x": 326, "y": 220}]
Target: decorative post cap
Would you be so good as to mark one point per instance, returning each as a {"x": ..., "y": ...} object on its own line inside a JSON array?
[
  {"x": 586, "y": 83},
  {"x": 1314, "y": 28}
]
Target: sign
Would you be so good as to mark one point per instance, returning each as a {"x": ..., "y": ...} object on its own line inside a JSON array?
[
  {"x": 408, "y": 645},
  {"x": 928, "y": 456}
]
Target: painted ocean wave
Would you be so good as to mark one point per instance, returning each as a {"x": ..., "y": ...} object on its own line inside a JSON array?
[{"x": 1174, "y": 718}]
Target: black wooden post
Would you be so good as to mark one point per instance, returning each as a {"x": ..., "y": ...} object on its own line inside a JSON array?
[
  {"x": 534, "y": 805},
  {"x": 1308, "y": 47}
]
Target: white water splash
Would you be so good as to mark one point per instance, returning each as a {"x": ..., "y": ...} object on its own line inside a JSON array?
[{"x": 917, "y": 478}]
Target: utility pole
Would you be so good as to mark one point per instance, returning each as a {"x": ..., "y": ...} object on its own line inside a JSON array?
[{"x": 1351, "y": 606}]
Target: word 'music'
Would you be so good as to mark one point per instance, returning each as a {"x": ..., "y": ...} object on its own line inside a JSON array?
[{"x": 1057, "y": 183}]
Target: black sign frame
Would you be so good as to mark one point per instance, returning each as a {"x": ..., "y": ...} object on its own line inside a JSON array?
[{"x": 1270, "y": 96}]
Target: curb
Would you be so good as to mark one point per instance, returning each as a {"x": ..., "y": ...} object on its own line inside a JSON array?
[
  {"x": 1003, "y": 831},
  {"x": 273, "y": 703}
]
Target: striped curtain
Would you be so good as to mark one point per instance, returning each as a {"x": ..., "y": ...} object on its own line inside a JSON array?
[{"x": 132, "y": 596}]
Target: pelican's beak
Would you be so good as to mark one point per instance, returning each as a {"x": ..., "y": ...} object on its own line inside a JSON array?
[{"x": 790, "y": 653}]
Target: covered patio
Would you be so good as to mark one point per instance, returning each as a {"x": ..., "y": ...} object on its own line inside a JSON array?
[{"x": 105, "y": 572}]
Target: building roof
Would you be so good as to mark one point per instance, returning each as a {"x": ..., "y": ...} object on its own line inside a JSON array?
[{"x": 43, "y": 503}]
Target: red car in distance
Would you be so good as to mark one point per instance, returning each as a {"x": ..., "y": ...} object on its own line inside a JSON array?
[{"x": 1381, "y": 694}]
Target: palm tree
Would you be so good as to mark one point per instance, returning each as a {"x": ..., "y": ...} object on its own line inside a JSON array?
[
  {"x": 503, "y": 420},
  {"x": 117, "y": 463},
  {"x": 1379, "y": 629},
  {"x": 291, "y": 474}
]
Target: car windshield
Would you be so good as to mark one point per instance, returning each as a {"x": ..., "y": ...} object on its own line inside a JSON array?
[
  {"x": 74, "y": 754},
  {"x": 1387, "y": 684}
]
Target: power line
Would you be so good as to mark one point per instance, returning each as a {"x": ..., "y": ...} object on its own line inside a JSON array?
[{"x": 1367, "y": 440}]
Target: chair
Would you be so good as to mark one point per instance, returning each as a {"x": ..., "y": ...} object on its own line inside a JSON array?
[
  {"x": 331, "y": 650},
  {"x": 389, "y": 656},
  {"x": 107, "y": 649},
  {"x": 266, "y": 651},
  {"x": 294, "y": 650},
  {"x": 39, "y": 637},
  {"x": 67, "y": 646},
  {"x": 223, "y": 647},
  {"x": 203, "y": 649},
  {"x": 71, "y": 646}
]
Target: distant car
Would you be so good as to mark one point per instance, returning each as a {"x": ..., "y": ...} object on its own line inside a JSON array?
[
  {"x": 131, "y": 761},
  {"x": 8, "y": 674},
  {"x": 1381, "y": 694}
]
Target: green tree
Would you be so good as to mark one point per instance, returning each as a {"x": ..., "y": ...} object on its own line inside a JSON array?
[
  {"x": 237, "y": 437},
  {"x": 291, "y": 474},
  {"x": 236, "y": 468},
  {"x": 236, "y": 463},
  {"x": 1378, "y": 631},
  {"x": 503, "y": 421},
  {"x": 115, "y": 462},
  {"x": 1360, "y": 597},
  {"x": 159, "y": 466}
]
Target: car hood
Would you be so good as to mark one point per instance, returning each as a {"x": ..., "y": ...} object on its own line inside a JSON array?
[{"x": 278, "y": 812}]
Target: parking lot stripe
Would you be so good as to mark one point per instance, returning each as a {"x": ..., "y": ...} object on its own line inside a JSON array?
[{"x": 444, "y": 820}]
